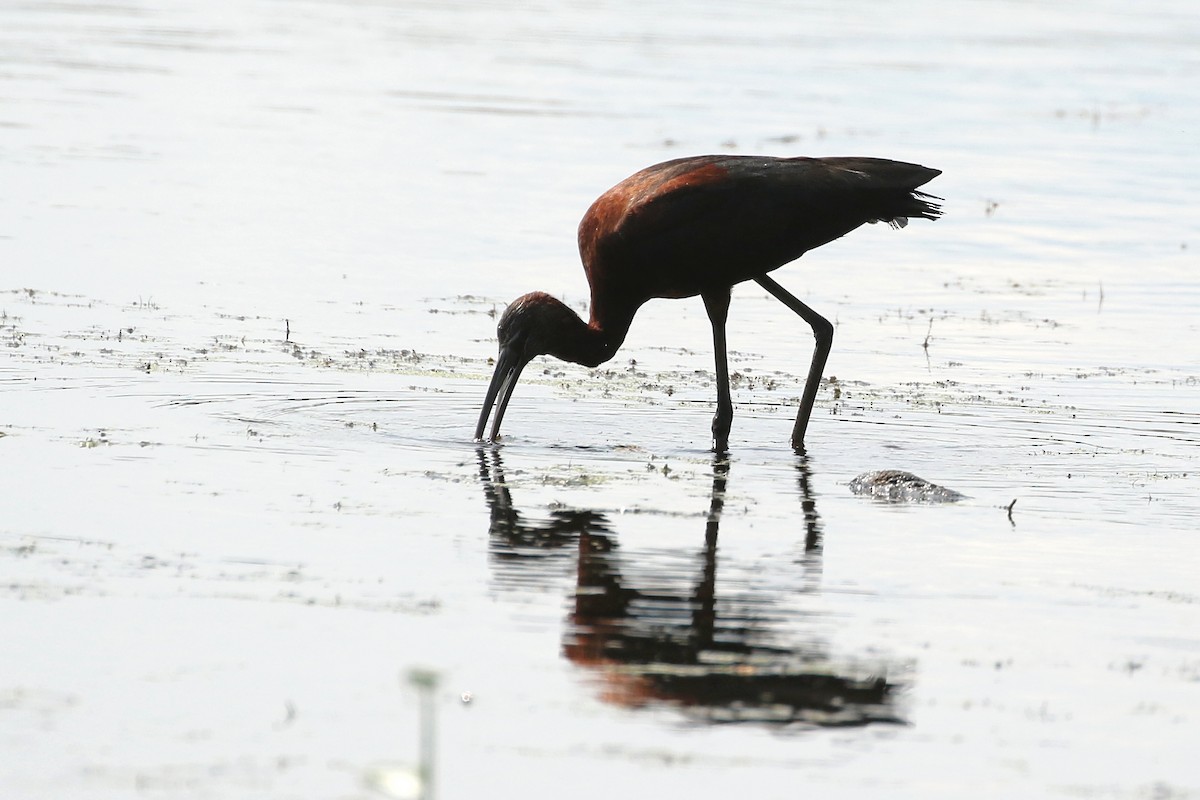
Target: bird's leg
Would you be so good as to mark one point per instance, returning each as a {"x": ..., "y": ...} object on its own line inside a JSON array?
[
  {"x": 823, "y": 332},
  {"x": 717, "y": 305}
]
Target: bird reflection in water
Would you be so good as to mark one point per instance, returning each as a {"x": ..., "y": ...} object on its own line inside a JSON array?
[{"x": 716, "y": 659}]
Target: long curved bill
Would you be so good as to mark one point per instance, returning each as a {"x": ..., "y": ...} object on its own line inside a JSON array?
[{"x": 504, "y": 381}]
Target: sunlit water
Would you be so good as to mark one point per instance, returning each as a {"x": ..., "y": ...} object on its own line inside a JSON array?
[{"x": 252, "y": 258}]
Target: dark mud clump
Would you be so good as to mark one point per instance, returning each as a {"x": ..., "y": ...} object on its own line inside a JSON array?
[{"x": 897, "y": 486}]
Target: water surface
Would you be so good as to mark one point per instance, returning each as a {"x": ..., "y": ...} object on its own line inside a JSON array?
[{"x": 253, "y": 256}]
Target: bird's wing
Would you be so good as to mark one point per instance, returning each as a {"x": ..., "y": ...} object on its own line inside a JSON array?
[
  {"x": 688, "y": 196},
  {"x": 677, "y": 227},
  {"x": 783, "y": 198}
]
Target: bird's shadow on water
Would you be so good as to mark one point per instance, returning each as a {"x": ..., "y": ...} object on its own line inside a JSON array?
[{"x": 718, "y": 657}]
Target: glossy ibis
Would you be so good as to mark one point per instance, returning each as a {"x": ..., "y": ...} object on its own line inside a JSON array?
[{"x": 697, "y": 226}]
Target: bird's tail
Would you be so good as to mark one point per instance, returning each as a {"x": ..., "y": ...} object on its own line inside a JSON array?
[
  {"x": 925, "y": 206},
  {"x": 908, "y": 204},
  {"x": 887, "y": 190}
]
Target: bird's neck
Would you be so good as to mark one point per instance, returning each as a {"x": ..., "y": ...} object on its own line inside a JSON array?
[{"x": 591, "y": 343}]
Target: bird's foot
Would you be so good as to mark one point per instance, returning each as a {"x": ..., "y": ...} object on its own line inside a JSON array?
[{"x": 720, "y": 433}]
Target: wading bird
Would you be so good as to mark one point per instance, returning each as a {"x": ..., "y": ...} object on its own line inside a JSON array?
[{"x": 698, "y": 226}]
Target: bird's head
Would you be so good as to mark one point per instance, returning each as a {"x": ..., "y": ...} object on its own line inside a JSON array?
[{"x": 531, "y": 326}]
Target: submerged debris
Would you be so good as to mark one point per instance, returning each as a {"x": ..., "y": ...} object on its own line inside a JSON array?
[{"x": 897, "y": 486}]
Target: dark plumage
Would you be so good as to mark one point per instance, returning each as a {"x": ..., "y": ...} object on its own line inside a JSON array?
[{"x": 698, "y": 226}]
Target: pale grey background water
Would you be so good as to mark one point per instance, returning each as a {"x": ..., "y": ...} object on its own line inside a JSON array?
[{"x": 222, "y": 551}]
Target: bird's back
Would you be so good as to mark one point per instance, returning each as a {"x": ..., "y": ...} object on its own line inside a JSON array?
[{"x": 680, "y": 227}]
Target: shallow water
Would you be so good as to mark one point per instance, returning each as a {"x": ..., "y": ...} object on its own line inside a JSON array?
[{"x": 253, "y": 258}]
